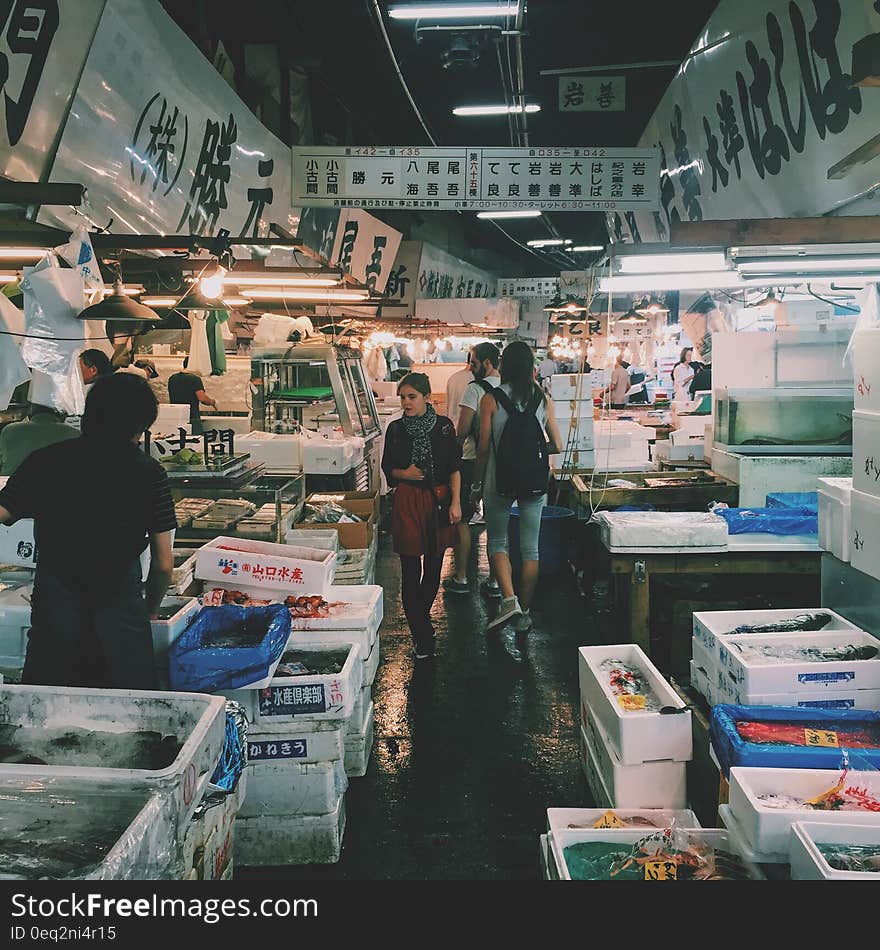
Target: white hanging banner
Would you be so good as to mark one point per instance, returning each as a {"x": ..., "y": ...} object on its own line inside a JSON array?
[
  {"x": 528, "y": 287},
  {"x": 161, "y": 142},
  {"x": 477, "y": 179},
  {"x": 592, "y": 93},
  {"x": 365, "y": 247}
]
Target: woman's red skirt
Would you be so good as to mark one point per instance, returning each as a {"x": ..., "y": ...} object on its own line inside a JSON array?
[{"x": 417, "y": 527}]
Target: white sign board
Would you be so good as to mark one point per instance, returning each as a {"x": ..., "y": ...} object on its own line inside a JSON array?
[
  {"x": 477, "y": 179},
  {"x": 161, "y": 142},
  {"x": 365, "y": 247},
  {"x": 758, "y": 113},
  {"x": 527, "y": 287},
  {"x": 592, "y": 93}
]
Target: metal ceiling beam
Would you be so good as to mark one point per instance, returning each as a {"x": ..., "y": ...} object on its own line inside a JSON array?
[
  {"x": 573, "y": 70},
  {"x": 41, "y": 193}
]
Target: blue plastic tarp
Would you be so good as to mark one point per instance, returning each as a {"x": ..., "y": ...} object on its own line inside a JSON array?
[
  {"x": 228, "y": 647},
  {"x": 732, "y": 750},
  {"x": 769, "y": 520},
  {"x": 794, "y": 499}
]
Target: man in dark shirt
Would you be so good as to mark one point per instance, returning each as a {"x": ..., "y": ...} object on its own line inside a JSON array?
[
  {"x": 96, "y": 501},
  {"x": 187, "y": 389}
]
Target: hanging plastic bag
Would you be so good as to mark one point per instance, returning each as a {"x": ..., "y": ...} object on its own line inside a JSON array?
[
  {"x": 199, "y": 361},
  {"x": 13, "y": 369}
]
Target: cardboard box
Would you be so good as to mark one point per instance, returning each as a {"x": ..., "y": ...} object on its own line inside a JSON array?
[{"x": 358, "y": 534}]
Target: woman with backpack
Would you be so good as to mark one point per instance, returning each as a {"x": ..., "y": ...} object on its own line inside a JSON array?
[
  {"x": 422, "y": 462},
  {"x": 513, "y": 465}
]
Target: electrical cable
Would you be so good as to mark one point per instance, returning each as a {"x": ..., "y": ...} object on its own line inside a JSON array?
[{"x": 832, "y": 302}]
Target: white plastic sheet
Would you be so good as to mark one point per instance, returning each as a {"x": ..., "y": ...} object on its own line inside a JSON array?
[
  {"x": 274, "y": 328},
  {"x": 13, "y": 369}
]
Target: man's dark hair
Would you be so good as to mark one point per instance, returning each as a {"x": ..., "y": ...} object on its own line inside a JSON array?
[
  {"x": 97, "y": 359},
  {"x": 119, "y": 407},
  {"x": 488, "y": 351}
]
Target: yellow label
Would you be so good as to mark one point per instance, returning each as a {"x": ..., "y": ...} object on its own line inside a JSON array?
[
  {"x": 821, "y": 738},
  {"x": 632, "y": 702},
  {"x": 610, "y": 820},
  {"x": 661, "y": 871}
]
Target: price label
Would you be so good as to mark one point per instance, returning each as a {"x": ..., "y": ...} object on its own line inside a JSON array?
[
  {"x": 661, "y": 871},
  {"x": 610, "y": 820},
  {"x": 632, "y": 702},
  {"x": 823, "y": 738}
]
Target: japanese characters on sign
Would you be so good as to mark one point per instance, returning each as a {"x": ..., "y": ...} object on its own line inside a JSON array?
[
  {"x": 293, "y": 700},
  {"x": 592, "y": 93},
  {"x": 529, "y": 287},
  {"x": 477, "y": 179},
  {"x": 259, "y": 573},
  {"x": 365, "y": 247},
  {"x": 278, "y": 749}
]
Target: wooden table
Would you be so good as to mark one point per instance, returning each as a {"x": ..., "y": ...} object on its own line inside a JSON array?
[
  {"x": 695, "y": 496},
  {"x": 633, "y": 571}
]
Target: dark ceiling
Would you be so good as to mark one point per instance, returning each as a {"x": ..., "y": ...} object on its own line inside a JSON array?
[{"x": 357, "y": 96}]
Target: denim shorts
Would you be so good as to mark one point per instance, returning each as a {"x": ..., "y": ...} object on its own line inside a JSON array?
[{"x": 496, "y": 511}]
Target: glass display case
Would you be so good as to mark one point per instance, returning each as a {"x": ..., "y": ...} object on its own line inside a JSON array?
[{"x": 784, "y": 421}]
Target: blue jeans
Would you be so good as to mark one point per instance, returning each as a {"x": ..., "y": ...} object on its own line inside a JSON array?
[{"x": 496, "y": 510}]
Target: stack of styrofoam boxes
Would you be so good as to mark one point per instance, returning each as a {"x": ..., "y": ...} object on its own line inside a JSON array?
[
  {"x": 171, "y": 417},
  {"x": 685, "y": 442},
  {"x": 279, "y": 452},
  {"x": 632, "y": 758},
  {"x": 622, "y": 445},
  {"x": 835, "y": 511},
  {"x": 196, "y": 720},
  {"x": 209, "y": 839},
  {"x": 713, "y": 673},
  {"x": 326, "y": 455},
  {"x": 864, "y": 550},
  {"x": 764, "y": 830},
  {"x": 572, "y": 395}
]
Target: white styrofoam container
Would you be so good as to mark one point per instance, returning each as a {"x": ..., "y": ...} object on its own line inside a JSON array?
[
  {"x": 866, "y": 369},
  {"x": 646, "y": 530},
  {"x": 866, "y": 452},
  {"x": 566, "y": 386},
  {"x": 650, "y": 785},
  {"x": 578, "y": 440},
  {"x": 767, "y": 829},
  {"x": 713, "y": 627},
  {"x": 303, "y": 742},
  {"x": 703, "y": 657},
  {"x": 364, "y": 638},
  {"x": 208, "y": 841},
  {"x": 17, "y": 545},
  {"x": 807, "y": 861},
  {"x": 295, "y": 699},
  {"x": 547, "y": 874},
  {"x": 690, "y": 425},
  {"x": 170, "y": 417},
  {"x": 701, "y": 683},
  {"x": 358, "y": 747},
  {"x": 371, "y": 664},
  {"x": 325, "y": 456},
  {"x": 728, "y": 821},
  {"x": 360, "y": 607},
  {"x": 835, "y": 511},
  {"x": 196, "y": 718},
  {"x": 279, "y": 452},
  {"x": 636, "y": 735},
  {"x": 322, "y": 538},
  {"x": 809, "y": 699},
  {"x": 573, "y": 413},
  {"x": 261, "y": 565},
  {"x": 360, "y": 711},
  {"x": 780, "y": 677},
  {"x": 689, "y": 451},
  {"x": 15, "y": 622},
  {"x": 165, "y": 632},
  {"x": 279, "y": 840},
  {"x": 287, "y": 787},
  {"x": 182, "y": 575},
  {"x": 563, "y": 819},
  {"x": 560, "y": 840},
  {"x": 864, "y": 547}
]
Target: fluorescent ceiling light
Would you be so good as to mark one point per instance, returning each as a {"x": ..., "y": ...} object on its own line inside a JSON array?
[
  {"x": 546, "y": 242},
  {"x": 280, "y": 293},
  {"x": 586, "y": 248},
  {"x": 528, "y": 213},
  {"x": 453, "y": 11},
  {"x": 644, "y": 283},
  {"x": 8, "y": 278},
  {"x": 279, "y": 280},
  {"x": 495, "y": 110},
  {"x": 22, "y": 253},
  {"x": 159, "y": 301},
  {"x": 794, "y": 265},
  {"x": 130, "y": 290},
  {"x": 236, "y": 301},
  {"x": 663, "y": 263}
]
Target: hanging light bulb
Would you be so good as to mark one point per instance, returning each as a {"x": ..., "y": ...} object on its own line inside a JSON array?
[{"x": 212, "y": 285}]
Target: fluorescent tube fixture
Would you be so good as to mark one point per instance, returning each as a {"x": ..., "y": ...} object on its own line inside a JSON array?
[
  {"x": 453, "y": 11},
  {"x": 806, "y": 265},
  {"x": 546, "y": 242},
  {"x": 22, "y": 253},
  {"x": 527, "y": 213},
  {"x": 280, "y": 293},
  {"x": 279, "y": 280},
  {"x": 495, "y": 110},
  {"x": 642, "y": 283},
  {"x": 588, "y": 248},
  {"x": 665, "y": 263}
]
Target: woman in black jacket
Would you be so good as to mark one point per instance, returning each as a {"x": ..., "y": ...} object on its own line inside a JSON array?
[{"x": 421, "y": 462}]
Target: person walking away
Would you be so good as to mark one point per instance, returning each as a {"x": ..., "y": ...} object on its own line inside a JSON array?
[
  {"x": 683, "y": 374},
  {"x": 619, "y": 385},
  {"x": 483, "y": 361},
  {"x": 457, "y": 383},
  {"x": 18, "y": 440},
  {"x": 187, "y": 389},
  {"x": 546, "y": 368},
  {"x": 421, "y": 462},
  {"x": 513, "y": 465},
  {"x": 97, "y": 501}
]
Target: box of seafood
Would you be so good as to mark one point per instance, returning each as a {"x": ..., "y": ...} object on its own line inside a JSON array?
[
  {"x": 712, "y": 627},
  {"x": 766, "y": 802},
  {"x": 288, "y": 787},
  {"x": 646, "y": 531},
  {"x": 303, "y": 742},
  {"x": 738, "y": 836},
  {"x": 687, "y": 854},
  {"x": 864, "y": 542},
  {"x": 642, "y": 715},
  {"x": 701, "y": 683},
  {"x": 821, "y": 851},
  {"x": 792, "y": 737},
  {"x": 560, "y": 819},
  {"x": 797, "y": 663}
]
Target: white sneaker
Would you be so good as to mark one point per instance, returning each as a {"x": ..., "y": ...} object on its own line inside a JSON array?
[
  {"x": 522, "y": 623},
  {"x": 509, "y": 608}
]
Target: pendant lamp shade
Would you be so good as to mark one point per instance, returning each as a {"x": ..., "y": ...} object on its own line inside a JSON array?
[{"x": 120, "y": 309}]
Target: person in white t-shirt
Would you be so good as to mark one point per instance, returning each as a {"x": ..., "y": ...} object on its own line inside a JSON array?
[
  {"x": 683, "y": 374},
  {"x": 483, "y": 361},
  {"x": 455, "y": 387}
]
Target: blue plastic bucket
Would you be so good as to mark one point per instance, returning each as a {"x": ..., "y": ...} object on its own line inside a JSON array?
[{"x": 554, "y": 542}]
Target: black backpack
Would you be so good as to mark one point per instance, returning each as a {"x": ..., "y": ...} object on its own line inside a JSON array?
[{"x": 522, "y": 458}]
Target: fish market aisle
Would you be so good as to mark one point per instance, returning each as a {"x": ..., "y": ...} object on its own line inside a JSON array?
[{"x": 471, "y": 748}]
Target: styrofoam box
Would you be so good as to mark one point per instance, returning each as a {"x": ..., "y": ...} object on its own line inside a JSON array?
[
  {"x": 667, "y": 449},
  {"x": 17, "y": 545},
  {"x": 277, "y": 451},
  {"x": 767, "y": 829},
  {"x": 15, "y": 622},
  {"x": 754, "y": 677},
  {"x": 359, "y": 713},
  {"x": 290, "y": 699},
  {"x": 835, "y": 516},
  {"x": 864, "y": 547},
  {"x": 841, "y": 698},
  {"x": 728, "y": 821},
  {"x": 182, "y": 575},
  {"x": 718, "y": 837},
  {"x": 713, "y": 627},
  {"x": 544, "y": 857},
  {"x": 571, "y": 414},
  {"x": 636, "y": 735},
  {"x": 208, "y": 841},
  {"x": 165, "y": 632},
  {"x": 564, "y": 819},
  {"x": 866, "y": 452},
  {"x": 866, "y": 369},
  {"x": 278, "y": 840},
  {"x": 322, "y": 456},
  {"x": 662, "y": 529},
  {"x": 262, "y": 565},
  {"x": 703, "y": 657},
  {"x": 358, "y": 747},
  {"x": 808, "y": 863},
  {"x": 566, "y": 386},
  {"x": 287, "y": 787},
  {"x": 326, "y": 539},
  {"x": 700, "y": 682},
  {"x": 328, "y": 639},
  {"x": 371, "y": 665},
  {"x": 650, "y": 785},
  {"x": 171, "y": 416},
  {"x": 197, "y": 719},
  {"x": 580, "y": 440},
  {"x": 304, "y": 742},
  {"x": 362, "y": 609}
]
